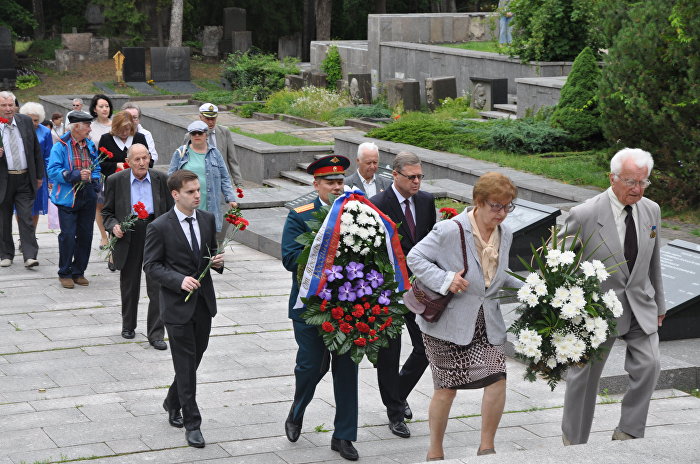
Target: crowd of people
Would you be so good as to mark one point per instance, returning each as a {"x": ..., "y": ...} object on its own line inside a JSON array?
[{"x": 96, "y": 167}]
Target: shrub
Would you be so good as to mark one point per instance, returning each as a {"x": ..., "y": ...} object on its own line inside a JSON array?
[
  {"x": 650, "y": 97},
  {"x": 339, "y": 115},
  {"x": 317, "y": 103},
  {"x": 526, "y": 136},
  {"x": 554, "y": 30},
  {"x": 27, "y": 81},
  {"x": 577, "y": 111},
  {"x": 217, "y": 97},
  {"x": 281, "y": 101},
  {"x": 332, "y": 65},
  {"x": 248, "y": 109},
  {"x": 259, "y": 71}
]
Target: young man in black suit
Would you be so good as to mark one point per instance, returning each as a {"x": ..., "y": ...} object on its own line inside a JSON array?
[
  {"x": 178, "y": 246},
  {"x": 122, "y": 191},
  {"x": 414, "y": 209}
]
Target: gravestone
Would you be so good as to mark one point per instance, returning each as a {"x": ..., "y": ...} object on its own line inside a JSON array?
[
  {"x": 289, "y": 45},
  {"x": 530, "y": 222},
  {"x": 318, "y": 79},
  {"x": 211, "y": 36},
  {"x": 77, "y": 42},
  {"x": 360, "y": 86},
  {"x": 406, "y": 91},
  {"x": 8, "y": 67},
  {"x": 234, "y": 21},
  {"x": 680, "y": 273},
  {"x": 94, "y": 17},
  {"x": 294, "y": 82},
  {"x": 170, "y": 64},
  {"x": 241, "y": 41},
  {"x": 439, "y": 88},
  {"x": 487, "y": 92},
  {"x": 306, "y": 77},
  {"x": 134, "y": 64}
]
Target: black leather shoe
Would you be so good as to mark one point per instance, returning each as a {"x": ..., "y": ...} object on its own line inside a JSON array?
[
  {"x": 159, "y": 344},
  {"x": 174, "y": 416},
  {"x": 291, "y": 428},
  {"x": 128, "y": 334},
  {"x": 347, "y": 451},
  {"x": 111, "y": 266},
  {"x": 400, "y": 429},
  {"x": 194, "y": 438},
  {"x": 407, "y": 413}
]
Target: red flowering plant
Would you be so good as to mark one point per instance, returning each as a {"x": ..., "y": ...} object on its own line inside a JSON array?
[
  {"x": 447, "y": 213},
  {"x": 103, "y": 155},
  {"x": 355, "y": 303},
  {"x": 127, "y": 224},
  {"x": 234, "y": 217}
]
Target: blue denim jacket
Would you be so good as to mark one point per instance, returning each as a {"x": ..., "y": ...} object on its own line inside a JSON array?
[{"x": 218, "y": 180}]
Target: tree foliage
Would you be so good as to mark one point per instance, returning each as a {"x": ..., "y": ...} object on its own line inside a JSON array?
[
  {"x": 650, "y": 94},
  {"x": 16, "y": 18},
  {"x": 261, "y": 73},
  {"x": 577, "y": 111},
  {"x": 124, "y": 19},
  {"x": 554, "y": 30},
  {"x": 332, "y": 65}
]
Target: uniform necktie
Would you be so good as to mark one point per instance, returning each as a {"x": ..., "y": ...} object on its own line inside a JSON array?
[
  {"x": 193, "y": 237},
  {"x": 630, "y": 247},
  {"x": 14, "y": 148},
  {"x": 410, "y": 223}
]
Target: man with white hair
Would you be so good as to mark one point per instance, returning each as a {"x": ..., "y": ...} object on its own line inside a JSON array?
[
  {"x": 135, "y": 112},
  {"x": 77, "y": 104},
  {"x": 365, "y": 178},
  {"x": 21, "y": 175},
  {"x": 623, "y": 224}
]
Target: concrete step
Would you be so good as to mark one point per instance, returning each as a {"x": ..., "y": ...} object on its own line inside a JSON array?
[
  {"x": 513, "y": 99},
  {"x": 506, "y": 108},
  {"x": 298, "y": 176},
  {"x": 496, "y": 115},
  {"x": 281, "y": 183},
  {"x": 303, "y": 166}
]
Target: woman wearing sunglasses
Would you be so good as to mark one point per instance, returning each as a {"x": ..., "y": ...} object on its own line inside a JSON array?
[
  {"x": 465, "y": 347},
  {"x": 205, "y": 161}
]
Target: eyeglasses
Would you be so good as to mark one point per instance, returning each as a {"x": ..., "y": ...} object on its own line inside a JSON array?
[
  {"x": 496, "y": 207},
  {"x": 197, "y": 133},
  {"x": 75, "y": 105},
  {"x": 631, "y": 183},
  {"x": 412, "y": 177}
]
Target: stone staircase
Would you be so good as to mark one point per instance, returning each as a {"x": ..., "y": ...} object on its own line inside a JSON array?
[{"x": 503, "y": 110}]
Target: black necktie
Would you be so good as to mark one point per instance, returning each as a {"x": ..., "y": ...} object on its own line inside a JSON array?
[
  {"x": 630, "y": 239},
  {"x": 410, "y": 223},
  {"x": 193, "y": 237}
]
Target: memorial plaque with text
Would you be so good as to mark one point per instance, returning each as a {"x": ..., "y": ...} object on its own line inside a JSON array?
[
  {"x": 170, "y": 64},
  {"x": 680, "y": 272}
]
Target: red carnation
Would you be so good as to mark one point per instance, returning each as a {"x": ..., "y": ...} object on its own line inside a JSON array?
[
  {"x": 337, "y": 312},
  {"x": 327, "y": 326},
  {"x": 4, "y": 121},
  {"x": 345, "y": 327},
  {"x": 240, "y": 195},
  {"x": 324, "y": 303},
  {"x": 143, "y": 214},
  {"x": 448, "y": 213},
  {"x": 360, "y": 341},
  {"x": 362, "y": 327},
  {"x": 371, "y": 318},
  {"x": 348, "y": 318},
  {"x": 376, "y": 310},
  {"x": 126, "y": 164},
  {"x": 358, "y": 313},
  {"x": 242, "y": 223},
  {"x": 373, "y": 332},
  {"x": 357, "y": 307},
  {"x": 366, "y": 305}
]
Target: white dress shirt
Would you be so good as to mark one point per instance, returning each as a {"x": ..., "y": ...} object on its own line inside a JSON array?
[
  {"x": 619, "y": 214},
  {"x": 186, "y": 226},
  {"x": 151, "y": 143},
  {"x": 403, "y": 205},
  {"x": 6, "y": 134},
  {"x": 370, "y": 187}
]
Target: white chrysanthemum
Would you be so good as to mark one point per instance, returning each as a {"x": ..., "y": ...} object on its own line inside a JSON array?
[
  {"x": 617, "y": 310},
  {"x": 551, "y": 363},
  {"x": 569, "y": 311},
  {"x": 337, "y": 253},
  {"x": 595, "y": 297},
  {"x": 364, "y": 251},
  {"x": 557, "y": 303},
  {"x": 540, "y": 289},
  {"x": 576, "y": 292},
  {"x": 532, "y": 352},
  {"x": 578, "y": 347},
  {"x": 589, "y": 323},
  {"x": 523, "y": 293},
  {"x": 363, "y": 233},
  {"x": 347, "y": 219},
  {"x": 530, "y": 337},
  {"x": 553, "y": 258},
  {"x": 567, "y": 257},
  {"x": 533, "y": 279},
  {"x": 356, "y": 248},
  {"x": 577, "y": 320},
  {"x": 364, "y": 218},
  {"x": 561, "y": 293},
  {"x": 531, "y": 300},
  {"x": 588, "y": 269},
  {"x": 378, "y": 240},
  {"x": 353, "y": 205},
  {"x": 348, "y": 240},
  {"x": 578, "y": 301},
  {"x": 610, "y": 300}
]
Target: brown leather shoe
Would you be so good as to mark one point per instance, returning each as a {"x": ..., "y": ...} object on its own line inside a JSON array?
[
  {"x": 81, "y": 281},
  {"x": 66, "y": 282}
]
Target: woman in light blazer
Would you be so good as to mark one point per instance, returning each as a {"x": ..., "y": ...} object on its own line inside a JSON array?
[{"x": 465, "y": 347}]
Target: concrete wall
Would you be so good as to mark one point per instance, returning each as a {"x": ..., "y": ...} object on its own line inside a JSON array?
[
  {"x": 536, "y": 92},
  {"x": 353, "y": 54}
]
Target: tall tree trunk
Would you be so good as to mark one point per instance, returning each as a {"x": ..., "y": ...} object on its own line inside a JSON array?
[
  {"x": 38, "y": 9},
  {"x": 380, "y": 7},
  {"x": 308, "y": 32},
  {"x": 176, "y": 24},
  {"x": 323, "y": 19}
]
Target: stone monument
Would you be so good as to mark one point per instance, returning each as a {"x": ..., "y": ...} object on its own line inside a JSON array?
[
  {"x": 134, "y": 64},
  {"x": 8, "y": 67},
  {"x": 680, "y": 271},
  {"x": 170, "y": 64},
  {"x": 403, "y": 91},
  {"x": 289, "y": 45},
  {"x": 94, "y": 17},
  {"x": 439, "y": 88},
  {"x": 487, "y": 92},
  {"x": 211, "y": 36},
  {"x": 530, "y": 222},
  {"x": 294, "y": 82},
  {"x": 235, "y": 36},
  {"x": 319, "y": 79},
  {"x": 360, "y": 86}
]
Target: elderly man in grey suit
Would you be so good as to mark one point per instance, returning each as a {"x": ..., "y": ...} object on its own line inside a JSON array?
[
  {"x": 366, "y": 178},
  {"x": 623, "y": 224}
]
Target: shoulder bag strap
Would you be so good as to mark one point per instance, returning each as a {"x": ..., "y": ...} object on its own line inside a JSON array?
[{"x": 464, "y": 247}]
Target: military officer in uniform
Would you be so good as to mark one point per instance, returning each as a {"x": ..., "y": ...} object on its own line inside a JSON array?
[{"x": 313, "y": 358}]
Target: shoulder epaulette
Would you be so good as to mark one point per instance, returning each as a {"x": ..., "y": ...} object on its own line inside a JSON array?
[{"x": 307, "y": 207}]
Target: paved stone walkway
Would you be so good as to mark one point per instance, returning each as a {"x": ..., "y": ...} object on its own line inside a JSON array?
[{"x": 71, "y": 388}]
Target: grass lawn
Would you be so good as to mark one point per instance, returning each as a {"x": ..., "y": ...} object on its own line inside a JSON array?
[
  {"x": 450, "y": 203},
  {"x": 492, "y": 47},
  {"x": 278, "y": 138}
]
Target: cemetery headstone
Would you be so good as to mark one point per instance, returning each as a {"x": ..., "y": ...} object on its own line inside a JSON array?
[
  {"x": 680, "y": 273},
  {"x": 487, "y": 92},
  {"x": 530, "y": 222},
  {"x": 77, "y": 42},
  {"x": 241, "y": 41},
  {"x": 234, "y": 20},
  {"x": 8, "y": 68},
  {"x": 306, "y": 77},
  {"x": 318, "y": 79},
  {"x": 289, "y": 45},
  {"x": 439, "y": 88},
  {"x": 360, "y": 86},
  {"x": 211, "y": 36},
  {"x": 406, "y": 91},
  {"x": 170, "y": 64},
  {"x": 134, "y": 64},
  {"x": 294, "y": 81}
]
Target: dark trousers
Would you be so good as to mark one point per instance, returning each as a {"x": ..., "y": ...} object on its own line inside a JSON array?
[
  {"x": 395, "y": 386},
  {"x": 20, "y": 196},
  {"x": 188, "y": 342},
  {"x": 75, "y": 239},
  {"x": 130, "y": 286},
  {"x": 311, "y": 365}
]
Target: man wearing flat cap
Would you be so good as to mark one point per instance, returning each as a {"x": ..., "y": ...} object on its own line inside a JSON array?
[
  {"x": 75, "y": 174},
  {"x": 313, "y": 359},
  {"x": 221, "y": 138}
]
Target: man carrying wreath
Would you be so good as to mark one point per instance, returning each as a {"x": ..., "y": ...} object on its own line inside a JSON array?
[
  {"x": 123, "y": 190},
  {"x": 312, "y": 355}
]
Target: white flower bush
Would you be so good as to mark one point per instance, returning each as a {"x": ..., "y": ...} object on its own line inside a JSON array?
[{"x": 564, "y": 316}]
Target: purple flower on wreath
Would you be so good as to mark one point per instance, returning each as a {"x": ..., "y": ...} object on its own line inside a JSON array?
[
  {"x": 335, "y": 272},
  {"x": 354, "y": 270},
  {"x": 362, "y": 288},
  {"x": 346, "y": 293},
  {"x": 325, "y": 293},
  {"x": 375, "y": 278},
  {"x": 384, "y": 297}
]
